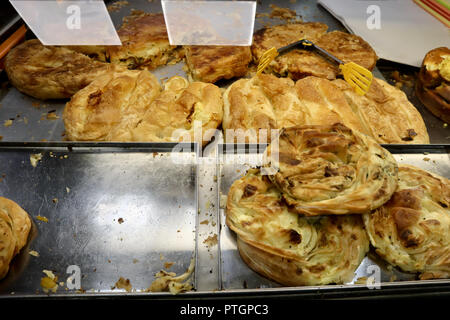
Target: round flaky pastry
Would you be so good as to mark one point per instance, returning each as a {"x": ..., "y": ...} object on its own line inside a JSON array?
[
  {"x": 330, "y": 170},
  {"x": 412, "y": 230},
  {"x": 184, "y": 111},
  {"x": 286, "y": 247},
  {"x": 15, "y": 226},
  {"x": 51, "y": 72},
  {"x": 300, "y": 63},
  {"x": 349, "y": 48}
]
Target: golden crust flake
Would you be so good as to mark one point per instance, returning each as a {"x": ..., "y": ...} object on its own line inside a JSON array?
[{"x": 212, "y": 63}]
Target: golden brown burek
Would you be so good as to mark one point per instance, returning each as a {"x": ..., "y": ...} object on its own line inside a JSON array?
[
  {"x": 132, "y": 106},
  {"x": 267, "y": 102},
  {"x": 145, "y": 43},
  {"x": 50, "y": 72}
]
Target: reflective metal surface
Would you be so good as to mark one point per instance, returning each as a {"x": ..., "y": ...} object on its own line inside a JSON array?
[
  {"x": 233, "y": 164},
  {"x": 113, "y": 212}
]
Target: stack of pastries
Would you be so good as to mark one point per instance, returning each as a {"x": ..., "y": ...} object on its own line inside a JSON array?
[{"x": 324, "y": 193}]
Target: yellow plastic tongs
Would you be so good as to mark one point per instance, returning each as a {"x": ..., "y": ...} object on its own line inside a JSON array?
[{"x": 357, "y": 76}]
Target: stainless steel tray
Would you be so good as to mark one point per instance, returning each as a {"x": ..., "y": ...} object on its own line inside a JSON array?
[
  {"x": 113, "y": 210},
  {"x": 232, "y": 163}
]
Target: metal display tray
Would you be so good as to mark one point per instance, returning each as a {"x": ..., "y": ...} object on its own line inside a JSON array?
[
  {"x": 113, "y": 210},
  {"x": 108, "y": 181},
  {"x": 235, "y": 276}
]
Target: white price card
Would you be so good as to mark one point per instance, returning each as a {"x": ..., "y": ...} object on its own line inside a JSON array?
[{"x": 60, "y": 22}]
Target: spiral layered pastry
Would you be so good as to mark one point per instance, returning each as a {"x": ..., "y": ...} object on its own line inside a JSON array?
[
  {"x": 290, "y": 249},
  {"x": 330, "y": 170},
  {"x": 412, "y": 230}
]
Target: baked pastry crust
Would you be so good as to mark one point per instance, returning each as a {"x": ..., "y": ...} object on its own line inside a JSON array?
[
  {"x": 94, "y": 52},
  {"x": 349, "y": 48},
  {"x": 179, "y": 110},
  {"x": 435, "y": 102},
  {"x": 331, "y": 170},
  {"x": 432, "y": 72},
  {"x": 298, "y": 64},
  {"x": 281, "y": 35},
  {"x": 15, "y": 226},
  {"x": 110, "y": 106},
  {"x": 385, "y": 113},
  {"x": 7, "y": 243},
  {"x": 268, "y": 102},
  {"x": 212, "y": 63},
  {"x": 412, "y": 230},
  {"x": 131, "y": 106},
  {"x": 264, "y": 102},
  {"x": 145, "y": 43},
  {"x": 50, "y": 72},
  {"x": 324, "y": 104},
  {"x": 283, "y": 246}
]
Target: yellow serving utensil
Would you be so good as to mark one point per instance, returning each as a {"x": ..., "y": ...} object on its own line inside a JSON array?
[{"x": 357, "y": 76}]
